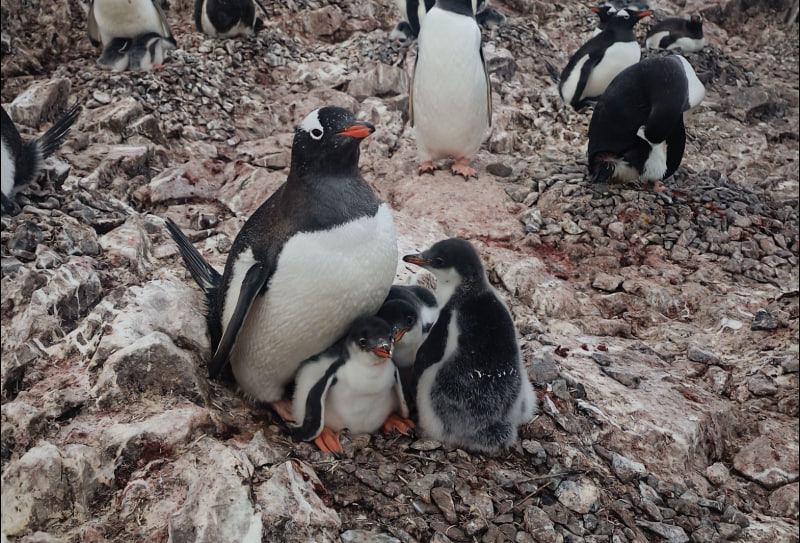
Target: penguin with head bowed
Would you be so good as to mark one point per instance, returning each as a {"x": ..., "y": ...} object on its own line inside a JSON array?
[
  {"x": 352, "y": 385},
  {"x": 22, "y": 160},
  {"x": 110, "y": 19},
  {"x": 319, "y": 253},
  {"x": 450, "y": 102},
  {"x": 471, "y": 387},
  {"x": 116, "y": 55},
  {"x": 599, "y": 60},
  {"x": 676, "y": 33},
  {"x": 637, "y": 130},
  {"x": 142, "y": 53},
  {"x": 227, "y": 18}
]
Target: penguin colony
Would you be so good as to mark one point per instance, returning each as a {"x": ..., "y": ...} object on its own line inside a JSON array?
[{"x": 305, "y": 304}]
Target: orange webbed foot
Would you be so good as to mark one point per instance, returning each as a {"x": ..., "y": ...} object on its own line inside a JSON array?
[
  {"x": 461, "y": 167},
  {"x": 397, "y": 423},
  {"x": 427, "y": 167},
  {"x": 328, "y": 441}
]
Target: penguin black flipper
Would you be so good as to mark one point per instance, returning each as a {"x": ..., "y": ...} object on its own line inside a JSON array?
[
  {"x": 94, "y": 31},
  {"x": 488, "y": 85},
  {"x": 253, "y": 284},
  {"x": 411, "y": 93},
  {"x": 166, "y": 33},
  {"x": 314, "y": 417},
  {"x": 586, "y": 70},
  {"x": 204, "y": 275},
  {"x": 553, "y": 71},
  {"x": 676, "y": 143}
]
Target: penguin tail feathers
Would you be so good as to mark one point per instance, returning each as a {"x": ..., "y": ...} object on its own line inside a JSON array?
[
  {"x": 263, "y": 10},
  {"x": 54, "y": 137},
  {"x": 553, "y": 71},
  {"x": 204, "y": 275}
]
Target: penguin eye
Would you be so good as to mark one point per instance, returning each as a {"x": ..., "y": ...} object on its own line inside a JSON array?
[
  {"x": 316, "y": 133},
  {"x": 438, "y": 262},
  {"x": 409, "y": 320},
  {"x": 362, "y": 342}
]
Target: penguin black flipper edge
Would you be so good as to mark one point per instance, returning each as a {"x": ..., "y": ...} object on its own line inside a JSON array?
[
  {"x": 253, "y": 284},
  {"x": 488, "y": 85},
  {"x": 314, "y": 417},
  {"x": 94, "y": 31}
]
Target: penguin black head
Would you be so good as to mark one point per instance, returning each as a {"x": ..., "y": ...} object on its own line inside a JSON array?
[
  {"x": 372, "y": 334},
  {"x": 453, "y": 261},
  {"x": 627, "y": 18},
  {"x": 328, "y": 139},
  {"x": 604, "y": 13},
  {"x": 401, "y": 316},
  {"x": 695, "y": 23},
  {"x": 462, "y": 7}
]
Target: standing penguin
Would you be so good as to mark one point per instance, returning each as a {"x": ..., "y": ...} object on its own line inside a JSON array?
[
  {"x": 450, "y": 102},
  {"x": 22, "y": 161},
  {"x": 109, "y": 19},
  {"x": 599, "y": 60},
  {"x": 352, "y": 385},
  {"x": 319, "y": 253},
  {"x": 227, "y": 18},
  {"x": 604, "y": 13},
  {"x": 472, "y": 389},
  {"x": 677, "y": 33},
  {"x": 637, "y": 129}
]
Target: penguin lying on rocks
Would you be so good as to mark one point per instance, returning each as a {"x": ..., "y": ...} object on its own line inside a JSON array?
[
  {"x": 318, "y": 254},
  {"x": 471, "y": 387},
  {"x": 22, "y": 161},
  {"x": 227, "y": 18},
  {"x": 352, "y": 385},
  {"x": 677, "y": 33}
]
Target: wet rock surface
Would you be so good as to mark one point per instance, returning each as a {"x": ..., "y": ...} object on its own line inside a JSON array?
[{"x": 659, "y": 326}]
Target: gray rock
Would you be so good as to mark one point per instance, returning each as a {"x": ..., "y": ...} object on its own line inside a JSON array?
[
  {"x": 378, "y": 80},
  {"x": 364, "y": 536},
  {"x": 129, "y": 246},
  {"x": 719, "y": 379},
  {"x": 697, "y": 354},
  {"x": 607, "y": 282},
  {"x": 627, "y": 469},
  {"x": 538, "y": 524},
  {"x": 324, "y": 21},
  {"x": 783, "y": 502},
  {"x": 762, "y": 385},
  {"x": 717, "y": 474},
  {"x": 670, "y": 533},
  {"x": 734, "y": 516},
  {"x": 728, "y": 531},
  {"x": 764, "y": 320},
  {"x": 41, "y": 102},
  {"x": 771, "y": 459},
  {"x": 578, "y": 496},
  {"x": 626, "y": 378},
  {"x": 115, "y": 117}
]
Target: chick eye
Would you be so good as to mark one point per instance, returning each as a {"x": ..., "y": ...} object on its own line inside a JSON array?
[
  {"x": 409, "y": 320},
  {"x": 316, "y": 133},
  {"x": 362, "y": 342},
  {"x": 439, "y": 262}
]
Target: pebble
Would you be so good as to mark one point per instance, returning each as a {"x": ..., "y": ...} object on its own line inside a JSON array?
[{"x": 764, "y": 320}]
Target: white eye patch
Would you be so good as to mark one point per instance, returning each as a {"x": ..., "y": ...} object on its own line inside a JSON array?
[{"x": 312, "y": 125}]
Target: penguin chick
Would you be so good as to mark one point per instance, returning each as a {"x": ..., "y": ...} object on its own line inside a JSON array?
[
  {"x": 353, "y": 385},
  {"x": 109, "y": 19},
  {"x": 147, "y": 52},
  {"x": 22, "y": 161},
  {"x": 450, "y": 102},
  {"x": 637, "y": 129},
  {"x": 407, "y": 300},
  {"x": 116, "y": 55},
  {"x": 677, "y": 33},
  {"x": 227, "y": 18},
  {"x": 599, "y": 60},
  {"x": 471, "y": 387},
  {"x": 319, "y": 253}
]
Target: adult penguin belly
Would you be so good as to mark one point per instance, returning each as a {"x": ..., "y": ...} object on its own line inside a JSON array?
[
  {"x": 309, "y": 306},
  {"x": 616, "y": 58}
]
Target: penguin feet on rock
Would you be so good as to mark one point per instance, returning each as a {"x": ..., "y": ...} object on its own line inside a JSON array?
[
  {"x": 427, "y": 167},
  {"x": 461, "y": 167},
  {"x": 396, "y": 423},
  {"x": 328, "y": 441}
]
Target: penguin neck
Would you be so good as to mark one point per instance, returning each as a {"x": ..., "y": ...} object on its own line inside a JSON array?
[{"x": 456, "y": 6}]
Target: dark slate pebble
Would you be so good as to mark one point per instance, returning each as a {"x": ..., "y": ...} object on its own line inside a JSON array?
[{"x": 764, "y": 320}]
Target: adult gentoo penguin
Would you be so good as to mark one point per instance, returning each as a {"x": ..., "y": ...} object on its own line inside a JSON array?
[
  {"x": 227, "y": 18},
  {"x": 109, "y": 19},
  {"x": 352, "y": 385},
  {"x": 637, "y": 129},
  {"x": 22, "y": 161},
  {"x": 472, "y": 389},
  {"x": 319, "y": 253},
  {"x": 677, "y": 33},
  {"x": 599, "y": 60},
  {"x": 450, "y": 100},
  {"x": 604, "y": 13}
]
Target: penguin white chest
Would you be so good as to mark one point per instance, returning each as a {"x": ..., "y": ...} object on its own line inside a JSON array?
[
  {"x": 323, "y": 281},
  {"x": 617, "y": 57},
  {"x": 429, "y": 419},
  {"x": 363, "y": 396},
  {"x": 449, "y": 90},
  {"x": 126, "y": 18},
  {"x": 8, "y": 170}
]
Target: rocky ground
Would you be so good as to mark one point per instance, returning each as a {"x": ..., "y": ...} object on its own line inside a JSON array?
[{"x": 660, "y": 328}]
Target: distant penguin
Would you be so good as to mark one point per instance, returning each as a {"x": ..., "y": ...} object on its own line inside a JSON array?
[
  {"x": 451, "y": 97},
  {"x": 637, "y": 129},
  {"x": 599, "y": 60},
  {"x": 109, "y": 19},
  {"x": 227, "y": 18},
  {"x": 352, "y": 385},
  {"x": 423, "y": 303},
  {"x": 676, "y": 33},
  {"x": 471, "y": 387},
  {"x": 22, "y": 161},
  {"x": 318, "y": 254},
  {"x": 604, "y": 13}
]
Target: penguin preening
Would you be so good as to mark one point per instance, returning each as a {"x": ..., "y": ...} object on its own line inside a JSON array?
[
  {"x": 22, "y": 161},
  {"x": 318, "y": 254},
  {"x": 354, "y": 385},
  {"x": 227, "y": 18},
  {"x": 599, "y": 60},
  {"x": 450, "y": 101},
  {"x": 637, "y": 130},
  {"x": 471, "y": 387},
  {"x": 110, "y": 19},
  {"x": 677, "y": 33}
]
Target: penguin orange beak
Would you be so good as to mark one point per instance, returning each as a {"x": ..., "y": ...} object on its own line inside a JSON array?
[
  {"x": 382, "y": 352},
  {"x": 416, "y": 259},
  {"x": 400, "y": 334},
  {"x": 358, "y": 130},
  {"x": 644, "y": 13},
  {"x": 595, "y": 9}
]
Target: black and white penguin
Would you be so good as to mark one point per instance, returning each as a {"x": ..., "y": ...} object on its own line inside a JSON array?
[
  {"x": 227, "y": 18},
  {"x": 599, "y": 60},
  {"x": 109, "y": 19},
  {"x": 116, "y": 55},
  {"x": 420, "y": 301},
  {"x": 471, "y": 387},
  {"x": 677, "y": 33},
  {"x": 352, "y": 385},
  {"x": 413, "y": 11},
  {"x": 637, "y": 129},
  {"x": 604, "y": 13},
  {"x": 141, "y": 53},
  {"x": 450, "y": 102},
  {"x": 22, "y": 161},
  {"x": 318, "y": 254}
]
